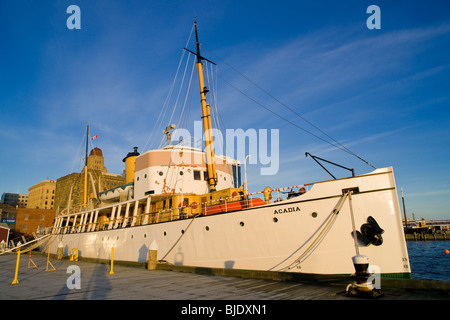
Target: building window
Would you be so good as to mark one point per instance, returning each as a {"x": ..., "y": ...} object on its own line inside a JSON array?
[
  {"x": 26, "y": 217},
  {"x": 197, "y": 175}
]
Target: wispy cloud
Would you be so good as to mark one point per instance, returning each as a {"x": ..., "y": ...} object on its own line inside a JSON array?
[
  {"x": 429, "y": 193},
  {"x": 321, "y": 72}
]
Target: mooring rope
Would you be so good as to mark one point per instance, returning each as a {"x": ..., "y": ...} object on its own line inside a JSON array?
[
  {"x": 178, "y": 240},
  {"x": 322, "y": 233}
]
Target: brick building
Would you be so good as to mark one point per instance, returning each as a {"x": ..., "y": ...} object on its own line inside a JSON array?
[{"x": 29, "y": 220}]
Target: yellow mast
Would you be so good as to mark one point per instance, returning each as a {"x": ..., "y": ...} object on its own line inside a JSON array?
[{"x": 209, "y": 145}]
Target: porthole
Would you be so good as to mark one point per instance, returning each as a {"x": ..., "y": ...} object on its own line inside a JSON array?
[
  {"x": 314, "y": 214},
  {"x": 145, "y": 235},
  {"x": 207, "y": 228},
  {"x": 165, "y": 233},
  {"x": 137, "y": 179},
  {"x": 182, "y": 231},
  {"x": 117, "y": 238},
  {"x": 241, "y": 223},
  {"x": 131, "y": 236},
  {"x": 160, "y": 173},
  {"x": 275, "y": 220},
  {"x": 181, "y": 173},
  {"x": 145, "y": 176}
]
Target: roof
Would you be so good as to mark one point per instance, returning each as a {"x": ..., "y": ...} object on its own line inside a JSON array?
[
  {"x": 4, "y": 225},
  {"x": 96, "y": 152}
]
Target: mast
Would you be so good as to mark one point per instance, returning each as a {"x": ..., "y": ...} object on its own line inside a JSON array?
[
  {"x": 85, "y": 168},
  {"x": 404, "y": 210},
  {"x": 206, "y": 116}
]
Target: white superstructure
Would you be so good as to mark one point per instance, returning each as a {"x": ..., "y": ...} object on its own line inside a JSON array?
[{"x": 180, "y": 169}]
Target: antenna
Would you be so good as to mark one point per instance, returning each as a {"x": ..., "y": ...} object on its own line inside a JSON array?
[{"x": 168, "y": 133}]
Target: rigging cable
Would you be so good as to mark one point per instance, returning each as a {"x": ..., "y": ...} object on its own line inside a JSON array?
[
  {"x": 164, "y": 108},
  {"x": 338, "y": 145},
  {"x": 184, "y": 114},
  {"x": 213, "y": 104}
]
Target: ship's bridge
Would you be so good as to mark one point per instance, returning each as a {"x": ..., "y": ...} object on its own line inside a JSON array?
[{"x": 181, "y": 169}]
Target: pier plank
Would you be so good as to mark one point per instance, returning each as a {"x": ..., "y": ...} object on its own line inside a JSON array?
[{"x": 137, "y": 283}]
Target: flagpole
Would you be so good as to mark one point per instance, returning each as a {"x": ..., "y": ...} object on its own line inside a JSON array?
[{"x": 85, "y": 168}]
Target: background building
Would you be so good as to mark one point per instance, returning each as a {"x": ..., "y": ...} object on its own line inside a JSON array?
[
  {"x": 69, "y": 192},
  {"x": 29, "y": 220},
  {"x": 42, "y": 195},
  {"x": 15, "y": 199}
]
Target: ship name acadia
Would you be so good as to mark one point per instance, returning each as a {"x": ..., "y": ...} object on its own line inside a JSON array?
[{"x": 286, "y": 210}]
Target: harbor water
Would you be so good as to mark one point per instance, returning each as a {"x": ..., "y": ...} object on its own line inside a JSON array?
[{"x": 428, "y": 260}]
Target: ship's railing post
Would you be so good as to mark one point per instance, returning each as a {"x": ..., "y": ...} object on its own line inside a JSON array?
[
  {"x": 111, "y": 219},
  {"x": 125, "y": 218},
  {"x": 75, "y": 217},
  {"x": 136, "y": 205},
  {"x": 56, "y": 227},
  {"x": 116, "y": 224},
  {"x": 66, "y": 227},
  {"x": 91, "y": 218},
  {"x": 94, "y": 224},
  {"x": 60, "y": 225},
  {"x": 83, "y": 222},
  {"x": 80, "y": 227},
  {"x": 147, "y": 210},
  {"x": 86, "y": 222}
]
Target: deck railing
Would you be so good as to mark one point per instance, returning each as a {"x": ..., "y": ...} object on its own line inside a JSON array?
[{"x": 87, "y": 221}]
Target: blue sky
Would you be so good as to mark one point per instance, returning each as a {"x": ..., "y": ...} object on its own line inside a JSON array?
[{"x": 384, "y": 94}]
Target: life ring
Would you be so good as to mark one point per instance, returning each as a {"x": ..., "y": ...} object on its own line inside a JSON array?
[{"x": 194, "y": 205}]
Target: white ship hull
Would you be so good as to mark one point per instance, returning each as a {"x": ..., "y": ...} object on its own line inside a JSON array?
[{"x": 302, "y": 234}]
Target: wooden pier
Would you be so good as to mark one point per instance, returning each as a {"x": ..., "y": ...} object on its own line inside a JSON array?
[
  {"x": 423, "y": 236},
  {"x": 184, "y": 284}
]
